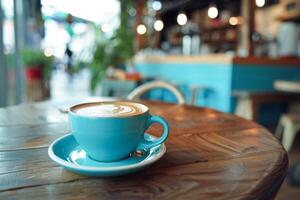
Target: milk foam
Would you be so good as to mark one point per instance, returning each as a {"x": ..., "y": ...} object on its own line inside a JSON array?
[{"x": 110, "y": 110}]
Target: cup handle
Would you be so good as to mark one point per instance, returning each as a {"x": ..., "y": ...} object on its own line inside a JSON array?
[{"x": 146, "y": 144}]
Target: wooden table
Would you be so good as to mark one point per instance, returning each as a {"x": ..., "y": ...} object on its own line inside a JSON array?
[
  {"x": 210, "y": 155},
  {"x": 287, "y": 86}
]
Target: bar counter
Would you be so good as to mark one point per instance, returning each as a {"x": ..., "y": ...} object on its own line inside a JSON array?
[
  {"x": 218, "y": 58},
  {"x": 218, "y": 76}
]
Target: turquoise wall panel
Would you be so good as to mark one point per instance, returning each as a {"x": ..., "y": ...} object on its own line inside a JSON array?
[
  {"x": 220, "y": 79},
  {"x": 261, "y": 77},
  {"x": 216, "y": 77},
  {"x": 247, "y": 77}
]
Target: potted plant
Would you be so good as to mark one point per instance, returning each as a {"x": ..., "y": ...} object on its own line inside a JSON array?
[
  {"x": 37, "y": 65},
  {"x": 37, "y": 70}
]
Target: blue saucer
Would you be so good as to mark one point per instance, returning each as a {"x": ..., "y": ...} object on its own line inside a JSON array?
[{"x": 66, "y": 152}]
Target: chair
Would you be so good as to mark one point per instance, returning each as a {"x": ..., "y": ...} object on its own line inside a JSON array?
[
  {"x": 288, "y": 126},
  {"x": 117, "y": 88},
  {"x": 142, "y": 89},
  {"x": 249, "y": 102},
  {"x": 244, "y": 104},
  {"x": 195, "y": 91}
]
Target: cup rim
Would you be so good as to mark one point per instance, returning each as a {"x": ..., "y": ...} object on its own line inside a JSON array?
[{"x": 71, "y": 109}]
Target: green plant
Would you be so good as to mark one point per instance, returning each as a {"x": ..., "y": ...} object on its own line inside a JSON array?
[
  {"x": 113, "y": 51},
  {"x": 98, "y": 65},
  {"x": 36, "y": 58},
  {"x": 123, "y": 38}
]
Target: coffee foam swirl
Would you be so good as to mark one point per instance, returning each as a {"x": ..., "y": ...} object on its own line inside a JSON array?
[{"x": 110, "y": 109}]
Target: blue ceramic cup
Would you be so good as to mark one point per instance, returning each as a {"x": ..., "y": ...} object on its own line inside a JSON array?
[{"x": 110, "y": 138}]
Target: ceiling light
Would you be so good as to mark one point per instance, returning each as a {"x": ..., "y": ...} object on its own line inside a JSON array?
[
  {"x": 141, "y": 29},
  {"x": 233, "y": 21},
  {"x": 260, "y": 3},
  {"x": 158, "y": 25},
  {"x": 181, "y": 19},
  {"x": 212, "y": 12},
  {"x": 156, "y": 5}
]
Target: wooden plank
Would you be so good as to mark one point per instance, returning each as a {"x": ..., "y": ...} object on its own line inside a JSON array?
[
  {"x": 190, "y": 119},
  {"x": 222, "y": 59},
  {"x": 224, "y": 179},
  {"x": 30, "y": 136},
  {"x": 35, "y": 133},
  {"x": 36, "y": 136},
  {"x": 30, "y": 114},
  {"x": 287, "y": 86},
  {"x": 213, "y": 58},
  {"x": 267, "y": 61},
  {"x": 23, "y": 168},
  {"x": 247, "y": 28}
]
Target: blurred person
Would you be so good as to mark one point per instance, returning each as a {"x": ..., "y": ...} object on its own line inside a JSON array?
[
  {"x": 173, "y": 45},
  {"x": 68, "y": 51},
  {"x": 69, "y": 55},
  {"x": 35, "y": 31}
]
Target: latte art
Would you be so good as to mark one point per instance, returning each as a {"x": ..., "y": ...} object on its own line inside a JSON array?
[
  {"x": 106, "y": 110},
  {"x": 110, "y": 109}
]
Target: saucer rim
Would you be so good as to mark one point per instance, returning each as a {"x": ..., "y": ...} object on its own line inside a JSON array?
[{"x": 71, "y": 165}]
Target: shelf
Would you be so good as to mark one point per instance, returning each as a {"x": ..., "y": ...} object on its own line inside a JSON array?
[
  {"x": 220, "y": 41},
  {"x": 295, "y": 17},
  {"x": 220, "y": 27}
]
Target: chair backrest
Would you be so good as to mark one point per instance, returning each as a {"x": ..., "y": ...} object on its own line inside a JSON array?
[{"x": 142, "y": 89}]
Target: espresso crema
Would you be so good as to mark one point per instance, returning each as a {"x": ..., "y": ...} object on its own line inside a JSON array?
[{"x": 109, "y": 109}]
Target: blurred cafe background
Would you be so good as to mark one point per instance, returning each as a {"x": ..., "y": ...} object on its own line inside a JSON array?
[{"x": 235, "y": 56}]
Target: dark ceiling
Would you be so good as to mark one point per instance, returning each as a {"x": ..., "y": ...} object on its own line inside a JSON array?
[
  {"x": 190, "y": 5},
  {"x": 171, "y": 8}
]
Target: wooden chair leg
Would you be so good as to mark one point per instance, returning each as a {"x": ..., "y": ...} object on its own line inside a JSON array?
[
  {"x": 244, "y": 109},
  {"x": 289, "y": 134},
  {"x": 279, "y": 129}
]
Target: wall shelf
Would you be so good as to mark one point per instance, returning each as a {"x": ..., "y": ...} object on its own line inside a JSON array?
[{"x": 284, "y": 18}]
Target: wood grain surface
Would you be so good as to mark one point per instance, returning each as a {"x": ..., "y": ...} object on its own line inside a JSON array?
[
  {"x": 220, "y": 59},
  {"x": 210, "y": 155}
]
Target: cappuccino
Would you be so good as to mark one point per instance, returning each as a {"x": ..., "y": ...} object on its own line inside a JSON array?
[
  {"x": 109, "y": 109},
  {"x": 111, "y": 131}
]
